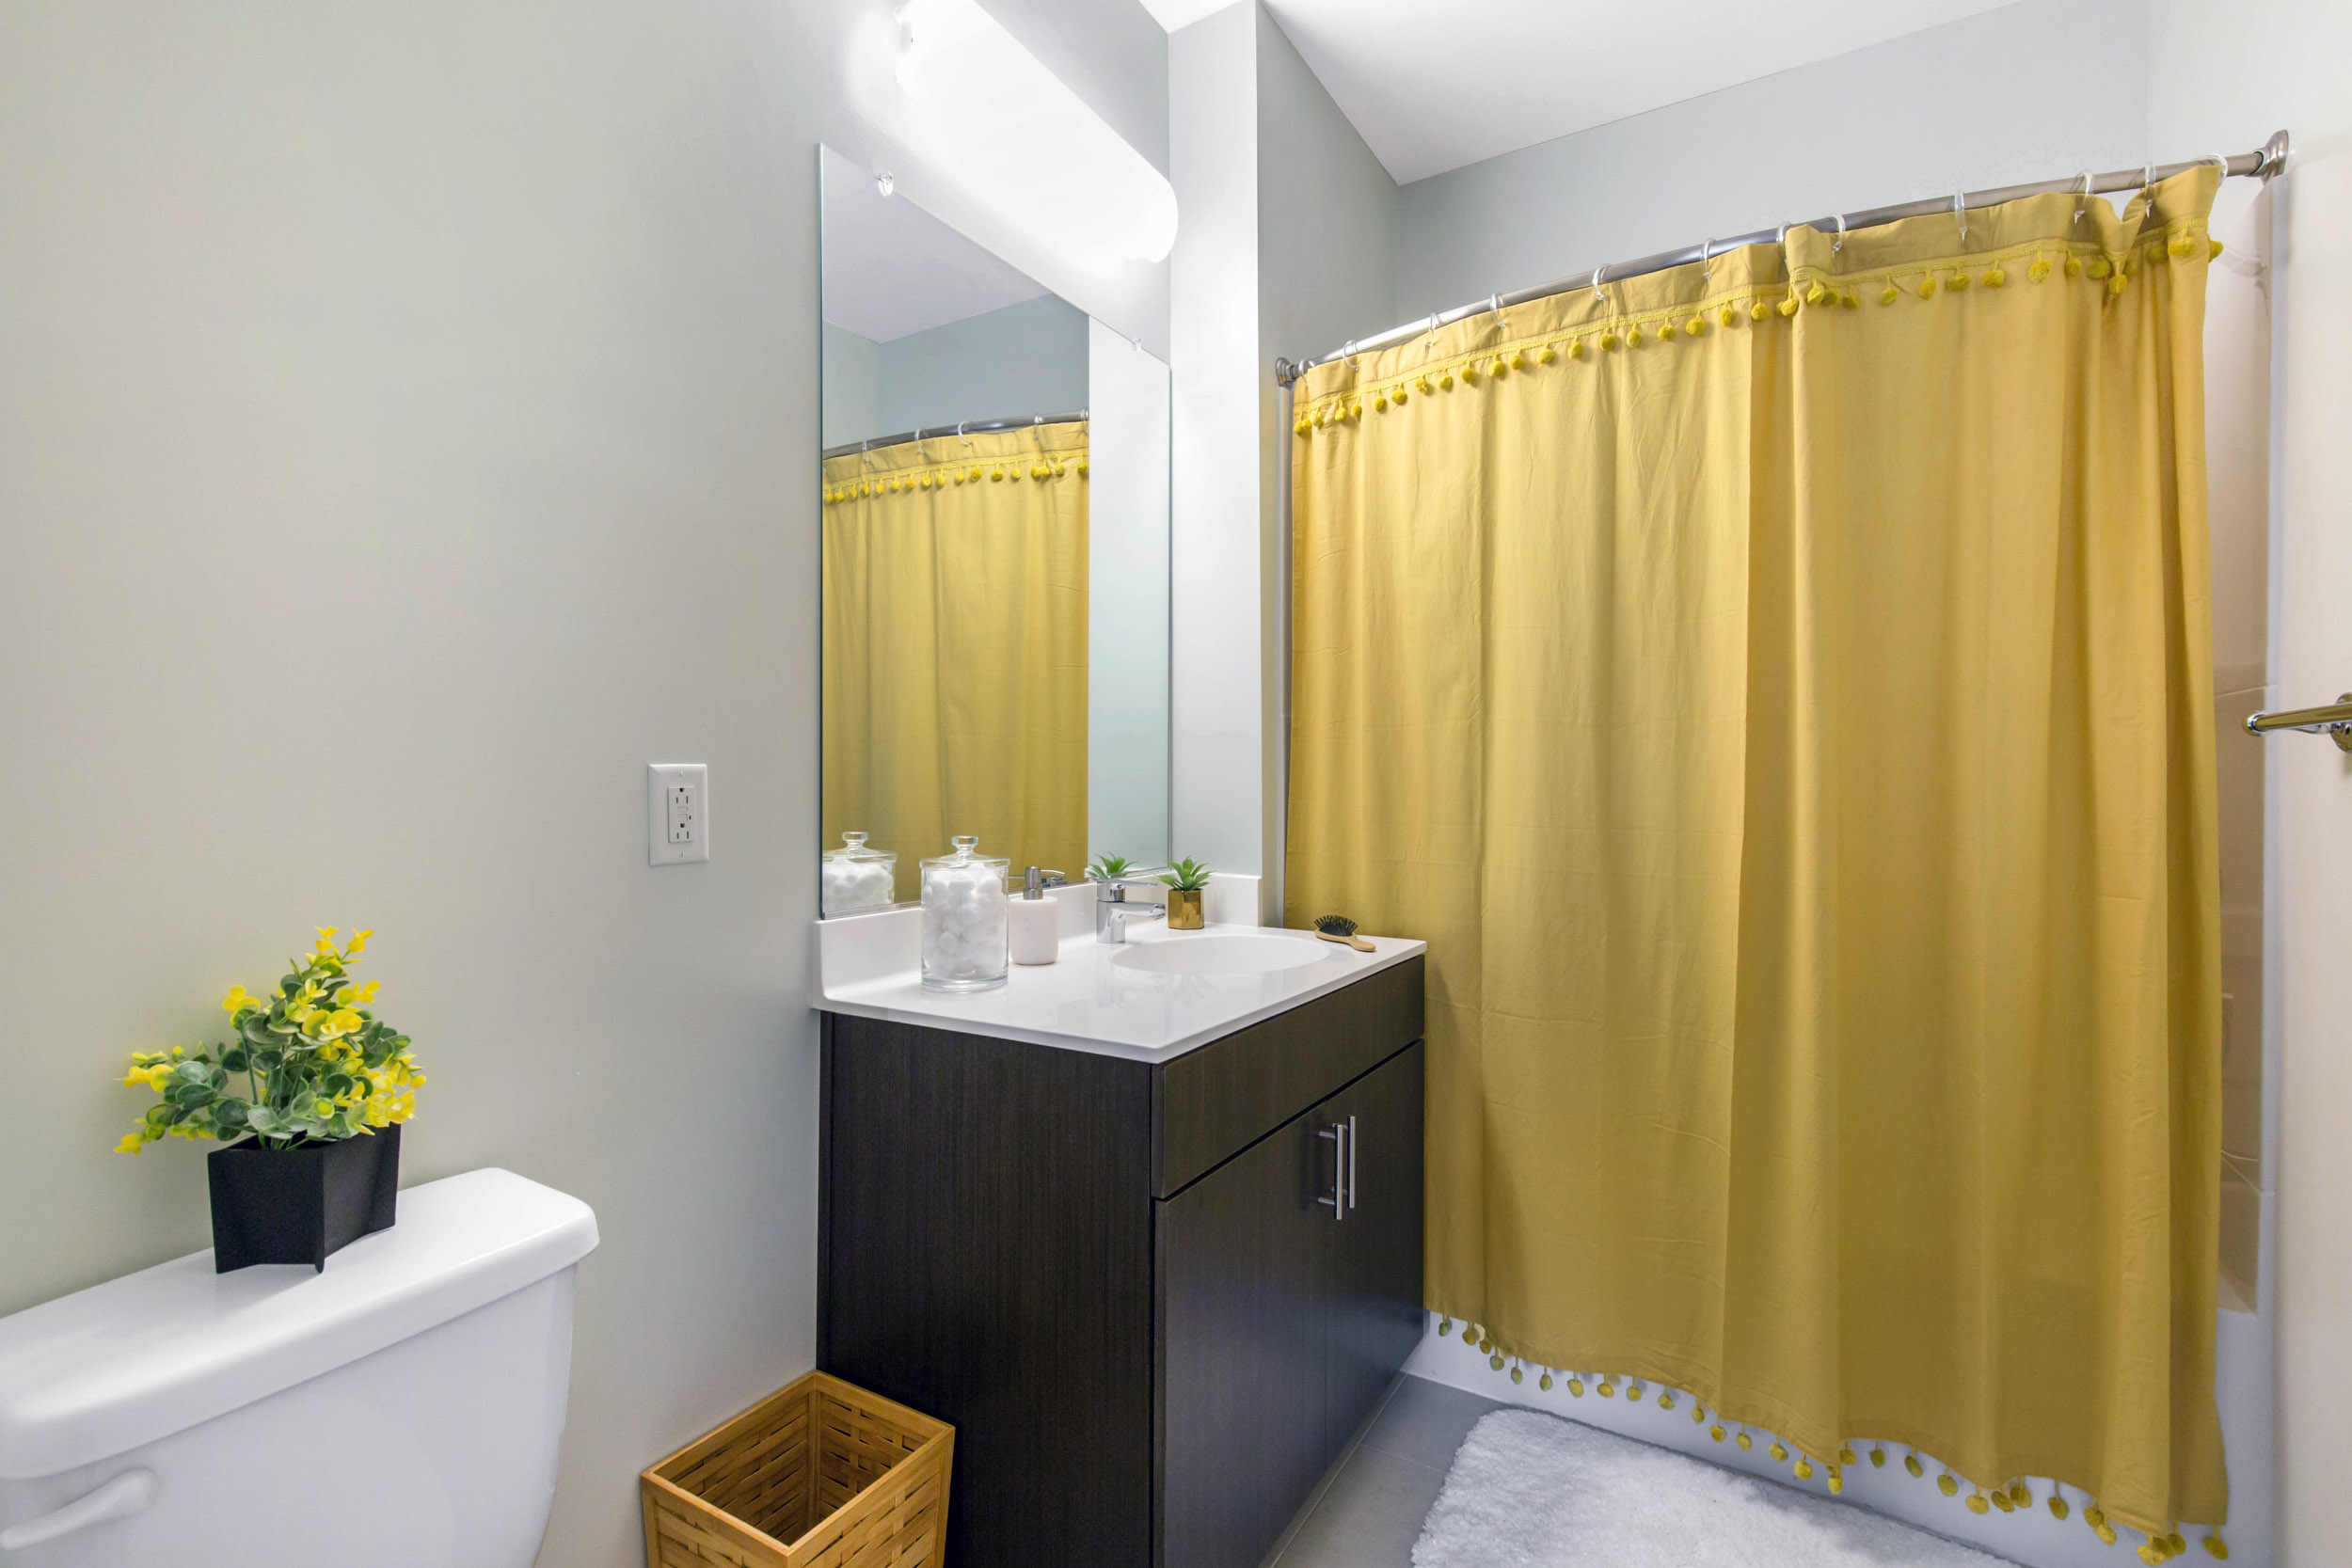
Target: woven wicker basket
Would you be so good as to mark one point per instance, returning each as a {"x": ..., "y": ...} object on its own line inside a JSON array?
[{"x": 822, "y": 1475}]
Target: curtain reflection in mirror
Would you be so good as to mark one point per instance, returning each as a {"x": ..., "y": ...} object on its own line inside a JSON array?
[{"x": 955, "y": 645}]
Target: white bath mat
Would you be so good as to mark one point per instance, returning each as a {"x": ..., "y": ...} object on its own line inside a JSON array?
[{"x": 1532, "y": 1491}]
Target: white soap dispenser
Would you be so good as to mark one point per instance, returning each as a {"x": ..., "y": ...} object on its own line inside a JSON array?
[{"x": 1037, "y": 919}]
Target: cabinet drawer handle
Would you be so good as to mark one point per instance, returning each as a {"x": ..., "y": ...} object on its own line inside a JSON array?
[{"x": 1340, "y": 1135}]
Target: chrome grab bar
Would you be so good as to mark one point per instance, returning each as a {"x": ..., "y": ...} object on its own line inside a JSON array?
[{"x": 2333, "y": 719}]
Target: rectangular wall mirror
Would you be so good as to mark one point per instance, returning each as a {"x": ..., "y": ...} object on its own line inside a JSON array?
[{"x": 996, "y": 560}]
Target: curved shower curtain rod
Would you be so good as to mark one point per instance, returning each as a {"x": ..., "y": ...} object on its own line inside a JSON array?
[
  {"x": 932, "y": 432},
  {"x": 2263, "y": 164}
]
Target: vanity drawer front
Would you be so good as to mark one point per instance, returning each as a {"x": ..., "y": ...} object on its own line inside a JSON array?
[{"x": 1209, "y": 1104}]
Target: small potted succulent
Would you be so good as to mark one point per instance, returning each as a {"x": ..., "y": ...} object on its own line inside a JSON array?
[
  {"x": 312, "y": 1090},
  {"x": 1185, "y": 879},
  {"x": 1107, "y": 868}
]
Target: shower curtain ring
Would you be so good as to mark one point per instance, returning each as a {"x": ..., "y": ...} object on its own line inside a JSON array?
[
  {"x": 1839, "y": 244},
  {"x": 2082, "y": 198},
  {"x": 1599, "y": 292},
  {"x": 1706, "y": 260},
  {"x": 1960, "y": 211}
]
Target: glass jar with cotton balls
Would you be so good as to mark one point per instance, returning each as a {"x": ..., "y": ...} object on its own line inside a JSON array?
[
  {"x": 964, "y": 920},
  {"x": 858, "y": 877}
]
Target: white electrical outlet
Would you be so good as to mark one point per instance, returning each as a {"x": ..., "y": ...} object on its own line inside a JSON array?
[{"x": 677, "y": 812}]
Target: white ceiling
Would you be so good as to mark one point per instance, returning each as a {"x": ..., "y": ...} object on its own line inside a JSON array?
[
  {"x": 1431, "y": 85},
  {"x": 891, "y": 268},
  {"x": 1172, "y": 14}
]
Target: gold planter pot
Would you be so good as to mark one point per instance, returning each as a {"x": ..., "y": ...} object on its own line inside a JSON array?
[{"x": 1183, "y": 909}]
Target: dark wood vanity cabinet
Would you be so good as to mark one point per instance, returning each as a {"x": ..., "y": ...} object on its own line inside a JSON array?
[
  {"x": 1155, "y": 1298},
  {"x": 1282, "y": 1315}
]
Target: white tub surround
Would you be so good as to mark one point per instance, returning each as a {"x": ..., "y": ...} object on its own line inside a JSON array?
[{"x": 1119, "y": 1000}]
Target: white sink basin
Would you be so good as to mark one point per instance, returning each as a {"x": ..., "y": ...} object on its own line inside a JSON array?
[{"x": 1225, "y": 953}]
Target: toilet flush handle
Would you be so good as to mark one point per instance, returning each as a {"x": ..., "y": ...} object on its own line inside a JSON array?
[{"x": 121, "y": 1497}]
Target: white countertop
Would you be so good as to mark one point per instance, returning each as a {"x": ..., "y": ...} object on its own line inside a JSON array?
[{"x": 868, "y": 965}]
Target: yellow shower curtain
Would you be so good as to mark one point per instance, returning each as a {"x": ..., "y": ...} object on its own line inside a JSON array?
[
  {"x": 1780, "y": 693},
  {"x": 955, "y": 646}
]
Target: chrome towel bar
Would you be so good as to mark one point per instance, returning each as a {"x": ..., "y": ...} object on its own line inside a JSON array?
[{"x": 2335, "y": 720}]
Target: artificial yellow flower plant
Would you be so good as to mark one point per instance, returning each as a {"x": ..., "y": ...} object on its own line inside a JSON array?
[{"x": 318, "y": 1066}]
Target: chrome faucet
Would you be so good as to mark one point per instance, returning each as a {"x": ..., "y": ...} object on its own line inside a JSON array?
[{"x": 1112, "y": 911}]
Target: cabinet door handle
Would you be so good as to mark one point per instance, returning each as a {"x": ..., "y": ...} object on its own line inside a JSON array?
[
  {"x": 1354, "y": 1144},
  {"x": 1339, "y": 1133}
]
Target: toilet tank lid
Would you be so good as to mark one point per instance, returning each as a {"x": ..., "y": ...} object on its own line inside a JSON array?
[{"x": 95, "y": 1374}]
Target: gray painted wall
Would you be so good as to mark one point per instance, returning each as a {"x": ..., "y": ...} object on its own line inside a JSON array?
[
  {"x": 1127, "y": 603},
  {"x": 1025, "y": 359},
  {"x": 450, "y": 371},
  {"x": 1218, "y": 787},
  {"x": 1327, "y": 213},
  {"x": 852, "y": 378},
  {"x": 2032, "y": 90}
]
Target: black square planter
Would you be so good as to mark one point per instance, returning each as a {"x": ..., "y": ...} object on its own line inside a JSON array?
[{"x": 297, "y": 1205}]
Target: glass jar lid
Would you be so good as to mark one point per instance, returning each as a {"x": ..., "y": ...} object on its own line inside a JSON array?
[
  {"x": 967, "y": 852},
  {"x": 853, "y": 848}
]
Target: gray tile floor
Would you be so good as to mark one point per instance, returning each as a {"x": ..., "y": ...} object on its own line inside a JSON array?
[{"x": 1367, "y": 1511}]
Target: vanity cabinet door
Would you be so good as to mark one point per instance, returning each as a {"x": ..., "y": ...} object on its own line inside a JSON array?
[
  {"x": 1243, "y": 1264},
  {"x": 1376, "y": 1269}
]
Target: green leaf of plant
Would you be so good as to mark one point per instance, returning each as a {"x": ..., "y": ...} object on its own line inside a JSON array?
[{"x": 1186, "y": 876}]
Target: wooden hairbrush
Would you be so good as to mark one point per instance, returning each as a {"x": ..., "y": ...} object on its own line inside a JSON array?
[{"x": 1338, "y": 928}]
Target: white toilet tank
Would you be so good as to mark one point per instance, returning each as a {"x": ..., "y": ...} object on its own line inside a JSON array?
[{"x": 400, "y": 1410}]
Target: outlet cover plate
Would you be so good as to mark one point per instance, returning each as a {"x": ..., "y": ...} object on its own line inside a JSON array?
[{"x": 677, "y": 812}]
